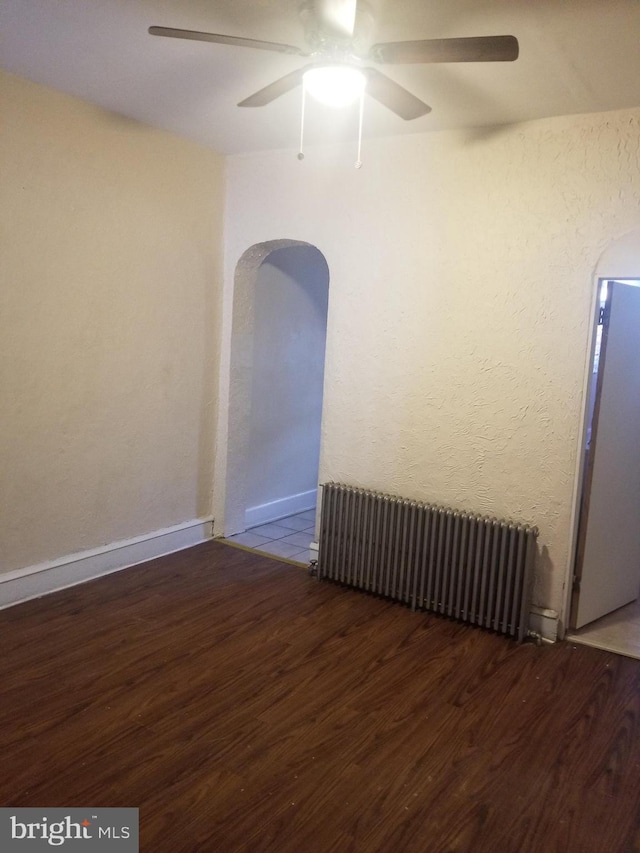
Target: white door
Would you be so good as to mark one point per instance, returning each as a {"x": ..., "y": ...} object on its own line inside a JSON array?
[{"x": 608, "y": 563}]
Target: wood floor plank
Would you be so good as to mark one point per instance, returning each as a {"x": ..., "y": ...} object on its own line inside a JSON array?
[{"x": 243, "y": 706}]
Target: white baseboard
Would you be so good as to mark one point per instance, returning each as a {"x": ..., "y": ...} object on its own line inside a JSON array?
[
  {"x": 43, "y": 578},
  {"x": 264, "y": 513}
]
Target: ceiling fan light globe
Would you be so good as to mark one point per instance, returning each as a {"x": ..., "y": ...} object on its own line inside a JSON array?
[{"x": 335, "y": 85}]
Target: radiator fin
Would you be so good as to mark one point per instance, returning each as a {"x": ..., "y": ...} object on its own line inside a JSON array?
[{"x": 468, "y": 567}]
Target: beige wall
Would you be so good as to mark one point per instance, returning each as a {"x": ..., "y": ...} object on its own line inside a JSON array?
[
  {"x": 459, "y": 316},
  {"x": 109, "y": 283},
  {"x": 459, "y": 308}
]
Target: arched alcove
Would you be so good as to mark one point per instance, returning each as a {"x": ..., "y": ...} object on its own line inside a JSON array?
[{"x": 239, "y": 488}]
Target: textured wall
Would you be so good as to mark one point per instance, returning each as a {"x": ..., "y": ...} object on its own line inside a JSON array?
[
  {"x": 460, "y": 305},
  {"x": 108, "y": 326},
  {"x": 622, "y": 258}
]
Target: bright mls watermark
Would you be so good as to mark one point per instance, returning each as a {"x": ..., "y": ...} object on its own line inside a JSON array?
[{"x": 80, "y": 830}]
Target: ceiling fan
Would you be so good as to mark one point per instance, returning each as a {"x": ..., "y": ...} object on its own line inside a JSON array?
[{"x": 335, "y": 31}]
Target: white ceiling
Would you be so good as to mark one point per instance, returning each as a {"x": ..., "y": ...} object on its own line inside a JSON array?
[{"x": 575, "y": 56}]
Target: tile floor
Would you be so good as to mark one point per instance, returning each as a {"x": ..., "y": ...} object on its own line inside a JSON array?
[
  {"x": 617, "y": 632},
  {"x": 288, "y": 537}
]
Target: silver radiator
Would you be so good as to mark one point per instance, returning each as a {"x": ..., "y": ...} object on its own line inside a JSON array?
[{"x": 468, "y": 567}]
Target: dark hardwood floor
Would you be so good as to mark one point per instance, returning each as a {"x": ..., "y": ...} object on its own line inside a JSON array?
[{"x": 242, "y": 706}]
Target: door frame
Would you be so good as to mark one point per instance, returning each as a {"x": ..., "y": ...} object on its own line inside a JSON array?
[
  {"x": 581, "y": 462},
  {"x": 621, "y": 260},
  {"x": 592, "y": 418}
]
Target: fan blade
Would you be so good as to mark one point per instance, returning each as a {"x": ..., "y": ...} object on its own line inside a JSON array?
[
  {"x": 394, "y": 96},
  {"x": 338, "y": 16},
  {"x": 235, "y": 41},
  {"x": 474, "y": 49},
  {"x": 274, "y": 90}
]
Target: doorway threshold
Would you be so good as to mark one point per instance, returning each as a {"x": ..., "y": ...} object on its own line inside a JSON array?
[
  {"x": 288, "y": 538},
  {"x": 617, "y": 632}
]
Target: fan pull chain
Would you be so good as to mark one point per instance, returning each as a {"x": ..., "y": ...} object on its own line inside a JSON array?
[
  {"x": 300, "y": 153},
  {"x": 359, "y": 160}
]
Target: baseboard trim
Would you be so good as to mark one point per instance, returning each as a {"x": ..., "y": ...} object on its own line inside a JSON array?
[
  {"x": 44, "y": 578},
  {"x": 274, "y": 510}
]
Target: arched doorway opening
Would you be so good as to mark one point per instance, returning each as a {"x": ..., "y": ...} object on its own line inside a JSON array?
[
  {"x": 276, "y": 377},
  {"x": 605, "y": 576}
]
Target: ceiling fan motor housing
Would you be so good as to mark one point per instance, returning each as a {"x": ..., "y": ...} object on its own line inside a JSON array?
[{"x": 326, "y": 37}]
